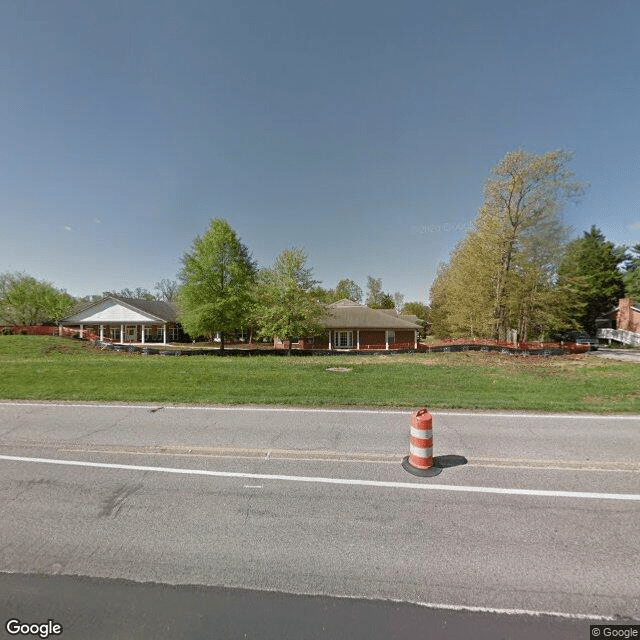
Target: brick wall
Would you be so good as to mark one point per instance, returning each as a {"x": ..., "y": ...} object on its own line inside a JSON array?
[{"x": 627, "y": 319}]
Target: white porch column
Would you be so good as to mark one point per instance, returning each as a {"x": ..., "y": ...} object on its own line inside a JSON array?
[
  {"x": 164, "y": 334},
  {"x": 358, "y": 339},
  {"x": 330, "y": 332},
  {"x": 82, "y": 331},
  {"x": 416, "y": 336},
  {"x": 386, "y": 340},
  {"x": 142, "y": 327},
  {"x": 101, "y": 332},
  {"x": 121, "y": 334}
]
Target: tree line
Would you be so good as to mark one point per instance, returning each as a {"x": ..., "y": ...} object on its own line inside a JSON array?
[
  {"x": 220, "y": 290},
  {"x": 516, "y": 269}
]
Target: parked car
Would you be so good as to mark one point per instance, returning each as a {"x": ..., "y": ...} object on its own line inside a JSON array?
[{"x": 582, "y": 337}]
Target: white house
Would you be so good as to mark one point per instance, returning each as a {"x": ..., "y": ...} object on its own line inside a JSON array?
[{"x": 127, "y": 320}]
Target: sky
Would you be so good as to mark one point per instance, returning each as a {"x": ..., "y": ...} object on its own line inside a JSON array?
[{"x": 362, "y": 132}]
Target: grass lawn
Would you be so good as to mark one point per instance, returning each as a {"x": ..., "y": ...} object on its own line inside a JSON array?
[{"x": 52, "y": 368}]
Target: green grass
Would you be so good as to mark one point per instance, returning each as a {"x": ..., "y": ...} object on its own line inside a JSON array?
[{"x": 51, "y": 368}]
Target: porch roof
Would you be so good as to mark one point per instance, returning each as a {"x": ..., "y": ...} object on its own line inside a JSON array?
[{"x": 117, "y": 310}]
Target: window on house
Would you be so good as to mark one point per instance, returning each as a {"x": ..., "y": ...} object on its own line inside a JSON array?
[
  {"x": 114, "y": 333},
  {"x": 344, "y": 339},
  {"x": 391, "y": 336}
]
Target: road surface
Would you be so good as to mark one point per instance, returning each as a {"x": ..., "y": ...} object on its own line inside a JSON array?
[{"x": 543, "y": 517}]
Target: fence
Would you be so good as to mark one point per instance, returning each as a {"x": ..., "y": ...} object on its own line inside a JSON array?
[{"x": 620, "y": 335}]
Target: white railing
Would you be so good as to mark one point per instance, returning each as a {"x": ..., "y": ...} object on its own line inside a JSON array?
[{"x": 620, "y": 335}]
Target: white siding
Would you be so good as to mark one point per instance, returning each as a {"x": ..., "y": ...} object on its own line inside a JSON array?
[{"x": 109, "y": 311}]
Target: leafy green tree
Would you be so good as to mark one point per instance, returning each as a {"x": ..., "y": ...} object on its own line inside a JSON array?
[
  {"x": 27, "y": 301},
  {"x": 589, "y": 278},
  {"x": 631, "y": 275},
  {"x": 438, "y": 308},
  {"x": 376, "y": 297},
  {"x": 419, "y": 310},
  {"x": 415, "y": 308},
  {"x": 326, "y": 296},
  {"x": 501, "y": 275},
  {"x": 285, "y": 306},
  {"x": 347, "y": 288},
  {"x": 526, "y": 192},
  {"x": 217, "y": 277}
]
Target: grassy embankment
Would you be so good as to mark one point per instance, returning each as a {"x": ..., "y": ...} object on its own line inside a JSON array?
[{"x": 51, "y": 368}]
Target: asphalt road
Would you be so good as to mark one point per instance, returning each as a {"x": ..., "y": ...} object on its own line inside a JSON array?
[{"x": 543, "y": 517}]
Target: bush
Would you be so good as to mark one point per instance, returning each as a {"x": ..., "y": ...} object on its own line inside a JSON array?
[{"x": 7, "y": 331}]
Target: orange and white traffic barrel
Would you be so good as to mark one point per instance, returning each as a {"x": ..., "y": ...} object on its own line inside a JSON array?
[{"x": 419, "y": 462}]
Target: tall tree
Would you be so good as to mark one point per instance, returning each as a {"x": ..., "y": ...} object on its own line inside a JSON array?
[
  {"x": 631, "y": 275},
  {"x": 167, "y": 290},
  {"x": 376, "y": 297},
  {"x": 420, "y": 310},
  {"x": 347, "y": 288},
  {"x": 590, "y": 278},
  {"x": 526, "y": 191},
  {"x": 217, "y": 276},
  {"x": 27, "y": 301},
  {"x": 501, "y": 275},
  {"x": 285, "y": 306}
]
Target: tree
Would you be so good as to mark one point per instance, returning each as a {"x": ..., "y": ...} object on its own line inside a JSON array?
[
  {"x": 418, "y": 309},
  {"x": 217, "y": 276},
  {"x": 501, "y": 275},
  {"x": 631, "y": 275},
  {"x": 285, "y": 306},
  {"x": 167, "y": 290},
  {"x": 347, "y": 288},
  {"x": 138, "y": 294},
  {"x": 27, "y": 301},
  {"x": 415, "y": 308},
  {"x": 589, "y": 279},
  {"x": 326, "y": 296},
  {"x": 526, "y": 192},
  {"x": 376, "y": 297}
]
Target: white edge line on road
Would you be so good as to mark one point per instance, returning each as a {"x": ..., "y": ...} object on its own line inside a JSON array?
[
  {"x": 434, "y": 412},
  {"x": 339, "y": 481}
]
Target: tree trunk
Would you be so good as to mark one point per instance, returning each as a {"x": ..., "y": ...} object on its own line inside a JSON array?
[{"x": 290, "y": 343}]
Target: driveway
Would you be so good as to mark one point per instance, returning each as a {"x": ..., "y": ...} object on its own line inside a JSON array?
[{"x": 632, "y": 355}]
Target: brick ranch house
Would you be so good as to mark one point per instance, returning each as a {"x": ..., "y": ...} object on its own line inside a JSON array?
[
  {"x": 354, "y": 326},
  {"x": 127, "y": 320}
]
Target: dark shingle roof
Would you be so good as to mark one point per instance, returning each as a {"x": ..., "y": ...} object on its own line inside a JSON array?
[
  {"x": 346, "y": 314},
  {"x": 161, "y": 310}
]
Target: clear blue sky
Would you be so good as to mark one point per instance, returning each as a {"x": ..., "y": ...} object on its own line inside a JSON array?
[{"x": 361, "y": 131}]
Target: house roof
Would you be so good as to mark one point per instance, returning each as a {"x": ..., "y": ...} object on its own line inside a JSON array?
[
  {"x": 409, "y": 317},
  {"x": 118, "y": 309},
  {"x": 634, "y": 307},
  {"x": 347, "y": 314}
]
